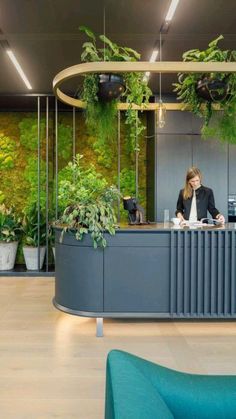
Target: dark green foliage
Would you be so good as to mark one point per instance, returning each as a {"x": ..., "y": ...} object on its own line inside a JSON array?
[
  {"x": 29, "y": 132},
  {"x": 221, "y": 125},
  {"x": 30, "y": 226},
  {"x": 65, "y": 138},
  {"x": 29, "y": 135},
  {"x": 31, "y": 176},
  {"x": 19, "y": 184},
  {"x": 136, "y": 92},
  {"x": 87, "y": 202},
  {"x": 10, "y": 225},
  {"x": 127, "y": 182},
  {"x": 101, "y": 120},
  {"x": 79, "y": 183}
]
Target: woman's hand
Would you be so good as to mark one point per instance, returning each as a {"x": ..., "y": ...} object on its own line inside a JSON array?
[
  {"x": 180, "y": 216},
  {"x": 220, "y": 218}
]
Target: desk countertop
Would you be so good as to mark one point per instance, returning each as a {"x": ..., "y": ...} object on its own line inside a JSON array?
[{"x": 155, "y": 227}]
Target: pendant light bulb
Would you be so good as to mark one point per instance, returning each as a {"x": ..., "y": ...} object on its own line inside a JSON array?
[{"x": 160, "y": 115}]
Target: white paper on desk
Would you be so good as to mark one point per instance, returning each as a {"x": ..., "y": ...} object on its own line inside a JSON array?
[
  {"x": 193, "y": 224},
  {"x": 211, "y": 222}
]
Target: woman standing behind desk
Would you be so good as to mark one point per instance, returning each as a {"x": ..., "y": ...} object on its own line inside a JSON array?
[{"x": 195, "y": 199}]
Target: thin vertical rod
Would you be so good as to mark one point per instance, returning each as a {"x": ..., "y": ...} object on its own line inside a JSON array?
[
  {"x": 47, "y": 223},
  {"x": 118, "y": 162},
  {"x": 39, "y": 152},
  {"x": 104, "y": 31},
  {"x": 56, "y": 158},
  {"x": 173, "y": 292},
  {"x": 160, "y": 59},
  {"x": 73, "y": 133},
  {"x": 136, "y": 158}
]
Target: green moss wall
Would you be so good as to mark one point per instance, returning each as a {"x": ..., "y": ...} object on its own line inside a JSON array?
[{"x": 19, "y": 161}]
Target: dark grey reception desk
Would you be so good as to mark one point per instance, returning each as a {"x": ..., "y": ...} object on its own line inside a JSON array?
[{"x": 149, "y": 271}]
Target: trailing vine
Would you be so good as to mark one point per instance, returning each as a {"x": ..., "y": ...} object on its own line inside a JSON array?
[
  {"x": 101, "y": 118},
  {"x": 221, "y": 88}
]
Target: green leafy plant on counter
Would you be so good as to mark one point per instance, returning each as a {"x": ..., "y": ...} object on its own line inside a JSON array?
[
  {"x": 10, "y": 225},
  {"x": 8, "y": 152},
  {"x": 201, "y": 92},
  {"x": 101, "y": 119},
  {"x": 88, "y": 203}
]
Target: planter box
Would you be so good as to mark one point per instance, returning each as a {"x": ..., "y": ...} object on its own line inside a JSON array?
[
  {"x": 31, "y": 257},
  {"x": 7, "y": 255}
]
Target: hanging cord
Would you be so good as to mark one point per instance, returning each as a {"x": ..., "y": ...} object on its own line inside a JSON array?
[
  {"x": 104, "y": 31},
  {"x": 160, "y": 59}
]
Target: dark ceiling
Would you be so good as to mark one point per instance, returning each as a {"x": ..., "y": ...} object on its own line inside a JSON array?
[{"x": 45, "y": 38}]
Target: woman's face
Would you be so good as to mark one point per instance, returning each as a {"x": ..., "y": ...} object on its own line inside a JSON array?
[{"x": 195, "y": 182}]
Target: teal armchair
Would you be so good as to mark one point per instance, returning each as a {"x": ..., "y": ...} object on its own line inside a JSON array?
[{"x": 139, "y": 389}]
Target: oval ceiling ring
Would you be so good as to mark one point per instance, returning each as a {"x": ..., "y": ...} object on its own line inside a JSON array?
[{"x": 137, "y": 66}]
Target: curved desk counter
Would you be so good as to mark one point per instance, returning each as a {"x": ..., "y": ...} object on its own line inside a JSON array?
[{"x": 149, "y": 271}]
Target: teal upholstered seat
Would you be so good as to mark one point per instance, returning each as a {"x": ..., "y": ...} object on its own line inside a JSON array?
[{"x": 139, "y": 389}]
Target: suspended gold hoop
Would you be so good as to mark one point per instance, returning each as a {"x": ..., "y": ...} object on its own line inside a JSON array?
[{"x": 140, "y": 66}]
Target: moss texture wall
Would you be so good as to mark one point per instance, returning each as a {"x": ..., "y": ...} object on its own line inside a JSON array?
[{"x": 19, "y": 157}]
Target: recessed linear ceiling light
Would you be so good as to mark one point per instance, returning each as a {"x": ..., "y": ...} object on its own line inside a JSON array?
[
  {"x": 152, "y": 60},
  {"x": 172, "y": 9},
  {"x": 19, "y": 69}
]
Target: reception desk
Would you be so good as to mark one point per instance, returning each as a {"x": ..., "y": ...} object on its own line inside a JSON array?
[{"x": 155, "y": 271}]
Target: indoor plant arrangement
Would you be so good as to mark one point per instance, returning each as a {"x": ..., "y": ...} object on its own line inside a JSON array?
[
  {"x": 101, "y": 115},
  {"x": 201, "y": 92},
  {"x": 10, "y": 232},
  {"x": 87, "y": 201},
  {"x": 31, "y": 239}
]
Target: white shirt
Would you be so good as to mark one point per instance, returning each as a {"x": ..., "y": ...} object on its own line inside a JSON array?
[{"x": 193, "y": 210}]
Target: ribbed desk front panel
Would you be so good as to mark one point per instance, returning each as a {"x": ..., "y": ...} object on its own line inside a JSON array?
[{"x": 202, "y": 273}]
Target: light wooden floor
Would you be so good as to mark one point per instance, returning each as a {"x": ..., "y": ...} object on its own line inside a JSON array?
[{"x": 53, "y": 366}]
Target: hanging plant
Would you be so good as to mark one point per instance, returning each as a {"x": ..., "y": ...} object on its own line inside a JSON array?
[
  {"x": 201, "y": 92},
  {"x": 101, "y": 116}
]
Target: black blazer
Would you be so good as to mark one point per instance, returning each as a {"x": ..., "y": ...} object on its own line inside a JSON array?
[{"x": 205, "y": 202}]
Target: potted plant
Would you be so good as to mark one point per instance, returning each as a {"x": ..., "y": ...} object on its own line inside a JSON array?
[
  {"x": 87, "y": 201},
  {"x": 101, "y": 110},
  {"x": 32, "y": 238},
  {"x": 201, "y": 92},
  {"x": 10, "y": 232}
]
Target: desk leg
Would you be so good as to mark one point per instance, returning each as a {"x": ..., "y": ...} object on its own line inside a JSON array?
[{"x": 99, "y": 329}]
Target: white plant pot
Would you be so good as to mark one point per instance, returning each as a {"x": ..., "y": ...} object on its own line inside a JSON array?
[
  {"x": 31, "y": 257},
  {"x": 7, "y": 255}
]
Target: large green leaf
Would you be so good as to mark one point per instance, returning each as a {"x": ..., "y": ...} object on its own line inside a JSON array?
[
  {"x": 87, "y": 31},
  {"x": 114, "y": 47},
  {"x": 215, "y": 41}
]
